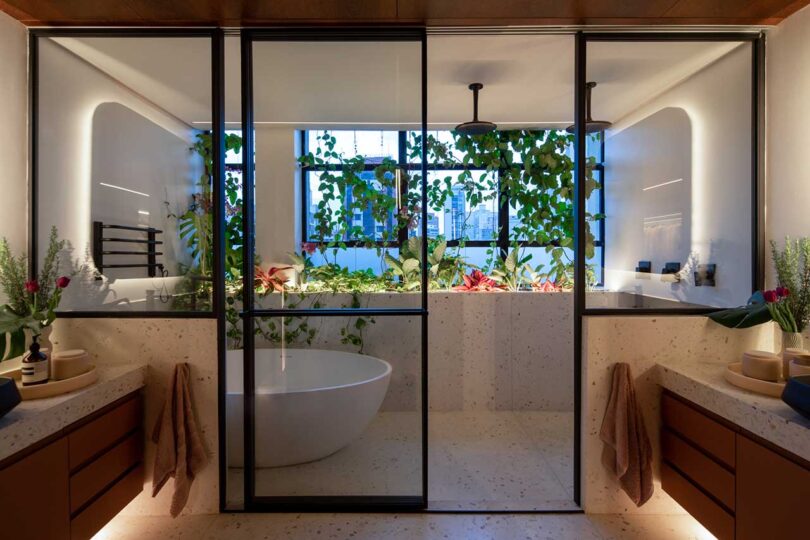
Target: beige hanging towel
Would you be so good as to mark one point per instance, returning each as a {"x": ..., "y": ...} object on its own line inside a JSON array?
[
  {"x": 180, "y": 452},
  {"x": 627, "y": 452}
]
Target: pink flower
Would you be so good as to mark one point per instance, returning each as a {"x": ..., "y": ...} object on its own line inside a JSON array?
[
  {"x": 477, "y": 281},
  {"x": 782, "y": 292},
  {"x": 62, "y": 282},
  {"x": 771, "y": 296},
  {"x": 32, "y": 286},
  {"x": 309, "y": 247}
]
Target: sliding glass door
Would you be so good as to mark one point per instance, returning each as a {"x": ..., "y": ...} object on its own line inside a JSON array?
[{"x": 334, "y": 315}]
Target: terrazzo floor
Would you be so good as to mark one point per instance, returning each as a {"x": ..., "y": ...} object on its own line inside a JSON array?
[
  {"x": 405, "y": 527},
  {"x": 482, "y": 460}
]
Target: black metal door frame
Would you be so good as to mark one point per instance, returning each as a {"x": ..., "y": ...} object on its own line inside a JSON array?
[
  {"x": 581, "y": 310},
  {"x": 216, "y": 37},
  {"x": 253, "y": 502}
]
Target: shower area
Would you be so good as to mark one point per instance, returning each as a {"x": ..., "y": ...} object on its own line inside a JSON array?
[
  {"x": 357, "y": 376},
  {"x": 400, "y": 329}
]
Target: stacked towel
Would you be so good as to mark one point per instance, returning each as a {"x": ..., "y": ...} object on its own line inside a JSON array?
[
  {"x": 180, "y": 452},
  {"x": 627, "y": 452}
]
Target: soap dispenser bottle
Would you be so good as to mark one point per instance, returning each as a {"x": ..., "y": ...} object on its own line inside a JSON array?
[{"x": 35, "y": 366}]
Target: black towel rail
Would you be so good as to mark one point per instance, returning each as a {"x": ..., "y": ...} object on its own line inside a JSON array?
[{"x": 150, "y": 241}]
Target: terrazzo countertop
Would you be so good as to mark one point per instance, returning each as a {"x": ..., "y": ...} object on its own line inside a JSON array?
[
  {"x": 36, "y": 419},
  {"x": 702, "y": 382}
]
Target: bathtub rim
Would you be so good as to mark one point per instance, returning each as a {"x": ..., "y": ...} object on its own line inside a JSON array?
[{"x": 258, "y": 392}]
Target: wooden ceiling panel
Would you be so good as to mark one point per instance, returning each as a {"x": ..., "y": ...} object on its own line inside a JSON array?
[
  {"x": 70, "y": 11},
  {"x": 446, "y": 10},
  {"x": 320, "y": 10},
  {"x": 431, "y": 12}
]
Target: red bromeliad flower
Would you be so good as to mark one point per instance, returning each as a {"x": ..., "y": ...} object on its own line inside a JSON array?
[
  {"x": 62, "y": 282},
  {"x": 271, "y": 280},
  {"x": 477, "y": 281},
  {"x": 32, "y": 286},
  {"x": 546, "y": 286}
]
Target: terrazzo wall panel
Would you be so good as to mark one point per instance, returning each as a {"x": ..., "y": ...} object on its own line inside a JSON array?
[
  {"x": 160, "y": 344},
  {"x": 487, "y": 351},
  {"x": 643, "y": 341}
]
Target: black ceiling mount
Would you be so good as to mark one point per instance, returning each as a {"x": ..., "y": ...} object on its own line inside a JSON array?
[
  {"x": 591, "y": 125},
  {"x": 476, "y": 127}
]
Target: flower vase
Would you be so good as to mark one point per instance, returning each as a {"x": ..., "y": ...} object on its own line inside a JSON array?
[
  {"x": 44, "y": 341},
  {"x": 791, "y": 343},
  {"x": 791, "y": 340}
]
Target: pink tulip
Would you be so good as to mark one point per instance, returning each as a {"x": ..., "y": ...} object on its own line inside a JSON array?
[
  {"x": 62, "y": 282},
  {"x": 32, "y": 286},
  {"x": 771, "y": 296}
]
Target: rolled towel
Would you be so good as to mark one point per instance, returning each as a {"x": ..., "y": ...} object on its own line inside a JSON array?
[
  {"x": 627, "y": 452},
  {"x": 180, "y": 452}
]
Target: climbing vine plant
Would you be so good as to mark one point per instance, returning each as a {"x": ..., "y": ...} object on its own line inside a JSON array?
[{"x": 530, "y": 170}]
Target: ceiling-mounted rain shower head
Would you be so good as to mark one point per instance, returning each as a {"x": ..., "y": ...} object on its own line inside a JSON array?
[
  {"x": 476, "y": 127},
  {"x": 591, "y": 125}
]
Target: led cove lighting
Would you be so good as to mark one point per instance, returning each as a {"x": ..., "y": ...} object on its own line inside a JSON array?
[
  {"x": 663, "y": 184},
  {"x": 143, "y": 212},
  {"x": 123, "y": 189}
]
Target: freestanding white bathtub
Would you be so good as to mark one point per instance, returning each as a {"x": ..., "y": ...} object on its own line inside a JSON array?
[{"x": 309, "y": 403}]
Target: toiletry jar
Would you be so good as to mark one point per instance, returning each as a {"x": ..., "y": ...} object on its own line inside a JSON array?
[
  {"x": 70, "y": 363},
  {"x": 762, "y": 365}
]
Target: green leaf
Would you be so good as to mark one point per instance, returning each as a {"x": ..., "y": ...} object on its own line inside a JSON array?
[
  {"x": 17, "y": 344},
  {"x": 754, "y": 313}
]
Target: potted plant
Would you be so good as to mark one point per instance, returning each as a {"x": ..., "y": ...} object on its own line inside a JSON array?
[
  {"x": 791, "y": 308},
  {"x": 788, "y": 305},
  {"x": 32, "y": 301}
]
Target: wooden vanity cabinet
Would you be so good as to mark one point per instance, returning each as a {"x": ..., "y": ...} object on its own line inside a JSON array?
[
  {"x": 773, "y": 494},
  {"x": 734, "y": 483},
  {"x": 34, "y": 495},
  {"x": 70, "y": 485}
]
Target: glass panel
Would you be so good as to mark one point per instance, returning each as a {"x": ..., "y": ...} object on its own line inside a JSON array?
[
  {"x": 501, "y": 376},
  {"x": 124, "y": 171},
  {"x": 334, "y": 195},
  {"x": 338, "y": 407},
  {"x": 677, "y": 173}
]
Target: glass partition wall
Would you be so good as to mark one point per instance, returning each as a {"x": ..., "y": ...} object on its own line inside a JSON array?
[
  {"x": 123, "y": 169},
  {"x": 680, "y": 196},
  {"x": 380, "y": 176}
]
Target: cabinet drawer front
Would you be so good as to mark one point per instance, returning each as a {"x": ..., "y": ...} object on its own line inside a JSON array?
[
  {"x": 702, "y": 470},
  {"x": 711, "y": 436},
  {"x": 33, "y": 495},
  {"x": 772, "y": 494},
  {"x": 90, "y": 520},
  {"x": 94, "y": 438},
  {"x": 100, "y": 473},
  {"x": 710, "y": 514}
]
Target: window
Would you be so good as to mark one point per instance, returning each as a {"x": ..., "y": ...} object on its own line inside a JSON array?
[{"x": 361, "y": 190}]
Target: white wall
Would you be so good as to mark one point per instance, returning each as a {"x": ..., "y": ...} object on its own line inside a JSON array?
[
  {"x": 70, "y": 94},
  {"x": 717, "y": 102},
  {"x": 13, "y": 134},
  {"x": 788, "y": 113},
  {"x": 278, "y": 194}
]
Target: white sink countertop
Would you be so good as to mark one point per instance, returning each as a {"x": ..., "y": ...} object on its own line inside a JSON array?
[
  {"x": 702, "y": 382},
  {"x": 34, "y": 420}
]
